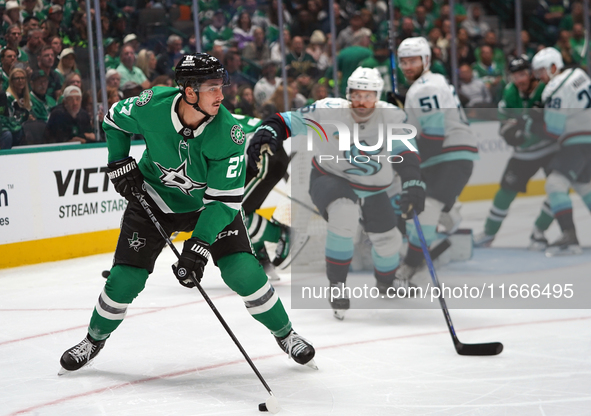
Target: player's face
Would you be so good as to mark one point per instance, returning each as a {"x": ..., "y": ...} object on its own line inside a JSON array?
[
  {"x": 522, "y": 80},
  {"x": 363, "y": 102},
  {"x": 412, "y": 67},
  {"x": 542, "y": 75},
  {"x": 211, "y": 96}
]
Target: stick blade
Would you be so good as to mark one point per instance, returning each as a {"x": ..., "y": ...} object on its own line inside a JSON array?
[{"x": 491, "y": 348}]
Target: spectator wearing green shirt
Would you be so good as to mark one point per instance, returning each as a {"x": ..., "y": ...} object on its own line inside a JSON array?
[
  {"x": 490, "y": 39},
  {"x": 577, "y": 42},
  {"x": 7, "y": 60},
  {"x": 14, "y": 35},
  {"x": 45, "y": 61},
  {"x": 111, "y": 53},
  {"x": 576, "y": 15},
  {"x": 298, "y": 61},
  {"x": 217, "y": 30},
  {"x": 41, "y": 102},
  {"x": 128, "y": 70},
  {"x": 349, "y": 58},
  {"x": 422, "y": 21}
]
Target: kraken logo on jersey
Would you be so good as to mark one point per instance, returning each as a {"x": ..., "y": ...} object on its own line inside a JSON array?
[
  {"x": 177, "y": 178},
  {"x": 361, "y": 159},
  {"x": 136, "y": 242}
]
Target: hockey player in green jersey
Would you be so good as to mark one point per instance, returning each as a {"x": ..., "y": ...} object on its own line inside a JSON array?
[
  {"x": 522, "y": 126},
  {"x": 192, "y": 175}
]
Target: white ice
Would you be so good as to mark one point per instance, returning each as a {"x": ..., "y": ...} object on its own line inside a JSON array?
[{"x": 172, "y": 357}]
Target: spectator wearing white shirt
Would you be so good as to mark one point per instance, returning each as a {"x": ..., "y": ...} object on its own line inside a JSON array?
[
  {"x": 473, "y": 92},
  {"x": 266, "y": 86}
]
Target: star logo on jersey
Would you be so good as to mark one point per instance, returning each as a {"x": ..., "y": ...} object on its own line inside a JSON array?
[
  {"x": 144, "y": 98},
  {"x": 136, "y": 242},
  {"x": 178, "y": 178},
  {"x": 237, "y": 134}
]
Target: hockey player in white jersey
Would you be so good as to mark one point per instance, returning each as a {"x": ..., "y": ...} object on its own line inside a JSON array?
[
  {"x": 567, "y": 99},
  {"x": 446, "y": 146},
  {"x": 348, "y": 187}
]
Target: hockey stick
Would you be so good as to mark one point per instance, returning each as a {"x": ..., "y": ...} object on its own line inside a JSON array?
[
  {"x": 392, "y": 47},
  {"x": 492, "y": 348},
  {"x": 297, "y": 201},
  {"x": 271, "y": 404}
]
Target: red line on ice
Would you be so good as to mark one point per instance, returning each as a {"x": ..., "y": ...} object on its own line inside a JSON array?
[{"x": 213, "y": 366}]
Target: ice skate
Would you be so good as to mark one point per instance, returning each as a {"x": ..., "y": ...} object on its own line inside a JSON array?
[
  {"x": 340, "y": 304},
  {"x": 403, "y": 276},
  {"x": 537, "y": 241},
  {"x": 269, "y": 268},
  {"x": 483, "y": 240},
  {"x": 566, "y": 245},
  {"x": 397, "y": 284},
  {"x": 290, "y": 244},
  {"x": 451, "y": 220},
  {"x": 80, "y": 355},
  {"x": 298, "y": 348}
]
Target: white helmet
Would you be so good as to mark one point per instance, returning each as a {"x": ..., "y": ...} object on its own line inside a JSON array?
[
  {"x": 367, "y": 79},
  {"x": 545, "y": 58},
  {"x": 416, "y": 47}
]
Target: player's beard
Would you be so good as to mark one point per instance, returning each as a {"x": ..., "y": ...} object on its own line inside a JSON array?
[{"x": 362, "y": 113}]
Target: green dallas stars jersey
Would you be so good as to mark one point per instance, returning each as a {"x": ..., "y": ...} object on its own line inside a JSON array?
[
  {"x": 514, "y": 105},
  {"x": 203, "y": 172}
]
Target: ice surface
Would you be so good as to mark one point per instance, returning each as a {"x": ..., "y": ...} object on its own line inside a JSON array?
[{"x": 172, "y": 357}]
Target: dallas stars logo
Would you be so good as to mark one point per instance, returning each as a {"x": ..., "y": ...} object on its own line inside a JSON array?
[
  {"x": 135, "y": 242},
  {"x": 144, "y": 98},
  {"x": 177, "y": 178}
]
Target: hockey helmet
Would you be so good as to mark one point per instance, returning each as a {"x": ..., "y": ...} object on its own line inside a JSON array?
[
  {"x": 545, "y": 59},
  {"x": 519, "y": 63},
  {"x": 193, "y": 70},
  {"x": 417, "y": 46},
  {"x": 366, "y": 79}
]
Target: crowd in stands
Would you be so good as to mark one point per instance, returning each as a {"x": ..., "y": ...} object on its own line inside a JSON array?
[{"x": 45, "y": 95}]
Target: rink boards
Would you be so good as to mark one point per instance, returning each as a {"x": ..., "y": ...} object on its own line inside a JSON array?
[{"x": 57, "y": 202}]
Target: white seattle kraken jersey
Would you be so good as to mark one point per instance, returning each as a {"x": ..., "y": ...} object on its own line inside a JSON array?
[
  {"x": 366, "y": 170},
  {"x": 443, "y": 130},
  {"x": 567, "y": 113}
]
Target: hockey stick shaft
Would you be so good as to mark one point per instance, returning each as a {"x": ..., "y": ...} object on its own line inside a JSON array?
[
  {"x": 392, "y": 46},
  {"x": 492, "y": 348},
  {"x": 164, "y": 235},
  {"x": 297, "y": 201}
]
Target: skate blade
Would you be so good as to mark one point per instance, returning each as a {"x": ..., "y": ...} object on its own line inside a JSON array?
[
  {"x": 537, "y": 247},
  {"x": 271, "y": 273},
  {"x": 568, "y": 251},
  {"x": 312, "y": 364},
  {"x": 339, "y": 313},
  {"x": 63, "y": 371},
  {"x": 293, "y": 253}
]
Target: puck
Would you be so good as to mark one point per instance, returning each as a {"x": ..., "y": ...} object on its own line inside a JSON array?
[
  {"x": 106, "y": 273},
  {"x": 262, "y": 407}
]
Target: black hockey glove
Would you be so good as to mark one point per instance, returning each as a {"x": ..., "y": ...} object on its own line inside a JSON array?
[
  {"x": 126, "y": 177},
  {"x": 396, "y": 99},
  {"x": 264, "y": 135},
  {"x": 193, "y": 260},
  {"x": 513, "y": 131},
  {"x": 412, "y": 197}
]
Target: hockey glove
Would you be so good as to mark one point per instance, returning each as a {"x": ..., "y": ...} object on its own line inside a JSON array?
[
  {"x": 513, "y": 131},
  {"x": 396, "y": 99},
  {"x": 193, "y": 260},
  {"x": 263, "y": 135},
  {"x": 412, "y": 197},
  {"x": 126, "y": 177}
]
